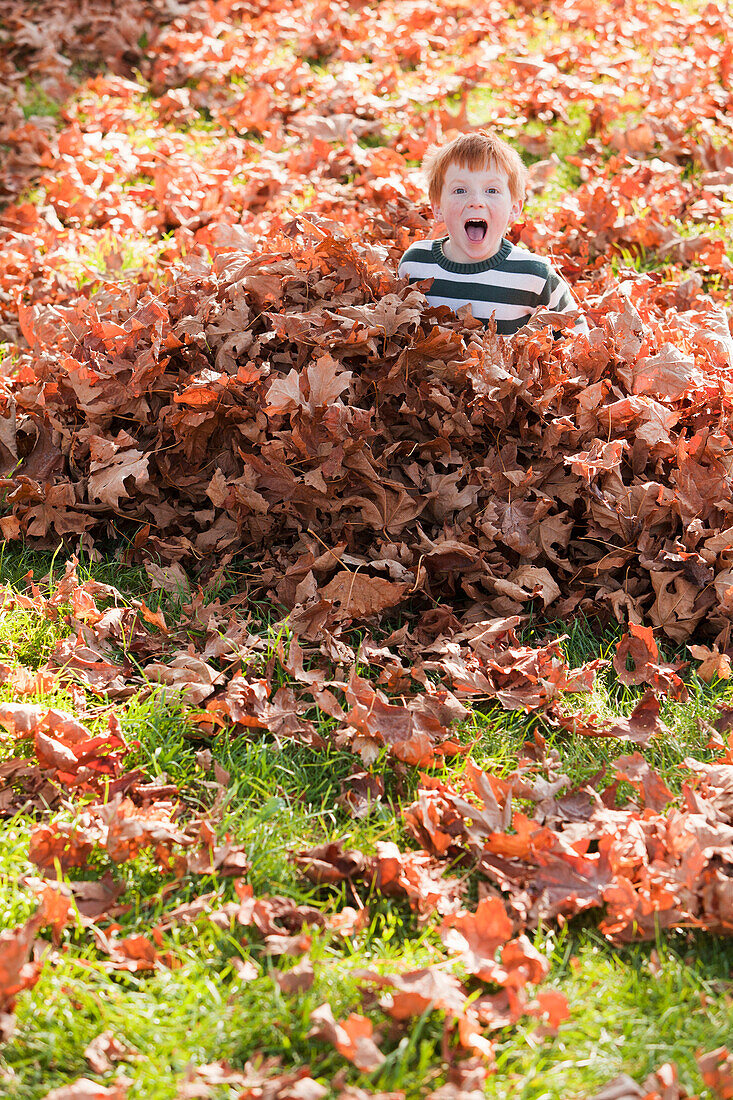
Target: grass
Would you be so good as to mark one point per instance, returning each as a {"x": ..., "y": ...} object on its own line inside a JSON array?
[
  {"x": 641, "y": 1006},
  {"x": 38, "y": 103},
  {"x": 631, "y": 1008}
]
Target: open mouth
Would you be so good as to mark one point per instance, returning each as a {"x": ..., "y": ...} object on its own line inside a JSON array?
[{"x": 476, "y": 229}]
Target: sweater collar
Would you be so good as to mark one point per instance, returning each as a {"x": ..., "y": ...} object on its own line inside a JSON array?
[{"x": 442, "y": 260}]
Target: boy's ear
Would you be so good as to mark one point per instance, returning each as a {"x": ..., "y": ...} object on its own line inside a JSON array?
[
  {"x": 437, "y": 212},
  {"x": 516, "y": 210}
]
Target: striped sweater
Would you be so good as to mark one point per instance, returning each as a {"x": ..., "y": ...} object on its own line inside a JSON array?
[{"x": 511, "y": 285}]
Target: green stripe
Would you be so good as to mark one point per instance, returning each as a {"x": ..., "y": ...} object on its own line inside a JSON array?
[
  {"x": 416, "y": 254},
  {"x": 477, "y": 292},
  {"x": 508, "y": 328},
  {"x": 540, "y": 268}
]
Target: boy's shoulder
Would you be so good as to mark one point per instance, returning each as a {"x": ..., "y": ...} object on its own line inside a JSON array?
[
  {"x": 534, "y": 262},
  {"x": 419, "y": 252}
]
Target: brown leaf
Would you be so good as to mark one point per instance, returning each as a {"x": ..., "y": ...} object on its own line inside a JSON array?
[
  {"x": 24, "y": 719},
  {"x": 105, "y": 1050},
  {"x": 361, "y": 793},
  {"x": 635, "y": 769},
  {"x": 195, "y": 679},
  {"x": 668, "y": 375},
  {"x": 551, "y": 1004},
  {"x": 640, "y": 727},
  {"x": 245, "y": 969},
  {"x": 329, "y": 863},
  {"x": 476, "y": 936},
  {"x": 713, "y": 663},
  {"x": 107, "y": 477},
  {"x": 65, "y": 845},
  {"x": 16, "y": 971},
  {"x": 133, "y": 953},
  {"x": 622, "y": 1087},
  {"x": 639, "y": 647},
  {"x": 25, "y": 682},
  {"x": 410, "y": 732},
  {"x": 418, "y": 990},
  {"x": 359, "y": 596},
  {"x": 296, "y": 980},
  {"x": 170, "y": 578},
  {"x": 716, "y": 1069},
  {"x": 643, "y": 723},
  {"x": 417, "y": 877},
  {"x": 352, "y": 1037}
]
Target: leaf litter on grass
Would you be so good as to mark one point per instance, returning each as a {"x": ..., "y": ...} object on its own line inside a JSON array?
[
  {"x": 406, "y": 486},
  {"x": 657, "y": 861}
]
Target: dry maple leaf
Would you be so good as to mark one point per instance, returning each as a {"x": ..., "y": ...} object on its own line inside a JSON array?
[
  {"x": 716, "y": 1069},
  {"x": 639, "y": 647},
  {"x": 105, "y": 1050},
  {"x": 417, "y": 877},
  {"x": 476, "y": 936},
  {"x": 358, "y": 597},
  {"x": 25, "y": 719},
  {"x": 636, "y": 770},
  {"x": 195, "y": 679},
  {"x": 418, "y": 990},
  {"x": 640, "y": 727},
  {"x": 107, "y": 479},
  {"x": 69, "y": 847},
  {"x": 16, "y": 971},
  {"x": 713, "y": 663},
  {"x": 297, "y": 979},
  {"x": 352, "y": 1037},
  {"x": 133, "y": 953},
  {"x": 663, "y": 1084},
  {"x": 330, "y": 863}
]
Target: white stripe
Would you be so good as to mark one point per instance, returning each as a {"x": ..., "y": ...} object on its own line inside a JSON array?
[{"x": 524, "y": 254}]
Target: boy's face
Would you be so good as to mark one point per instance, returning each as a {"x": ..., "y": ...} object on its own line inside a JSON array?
[{"x": 476, "y": 206}]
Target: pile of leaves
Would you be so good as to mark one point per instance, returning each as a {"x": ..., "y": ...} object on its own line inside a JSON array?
[{"x": 303, "y": 407}]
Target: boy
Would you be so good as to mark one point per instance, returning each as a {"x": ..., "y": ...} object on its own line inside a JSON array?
[{"x": 476, "y": 185}]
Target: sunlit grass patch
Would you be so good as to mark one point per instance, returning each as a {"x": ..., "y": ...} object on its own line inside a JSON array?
[
  {"x": 27, "y": 638},
  {"x": 16, "y": 904},
  {"x": 36, "y": 102},
  {"x": 200, "y": 1012},
  {"x": 633, "y": 1009}
]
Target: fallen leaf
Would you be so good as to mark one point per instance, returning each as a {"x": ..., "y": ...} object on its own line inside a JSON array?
[{"x": 352, "y": 1037}]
